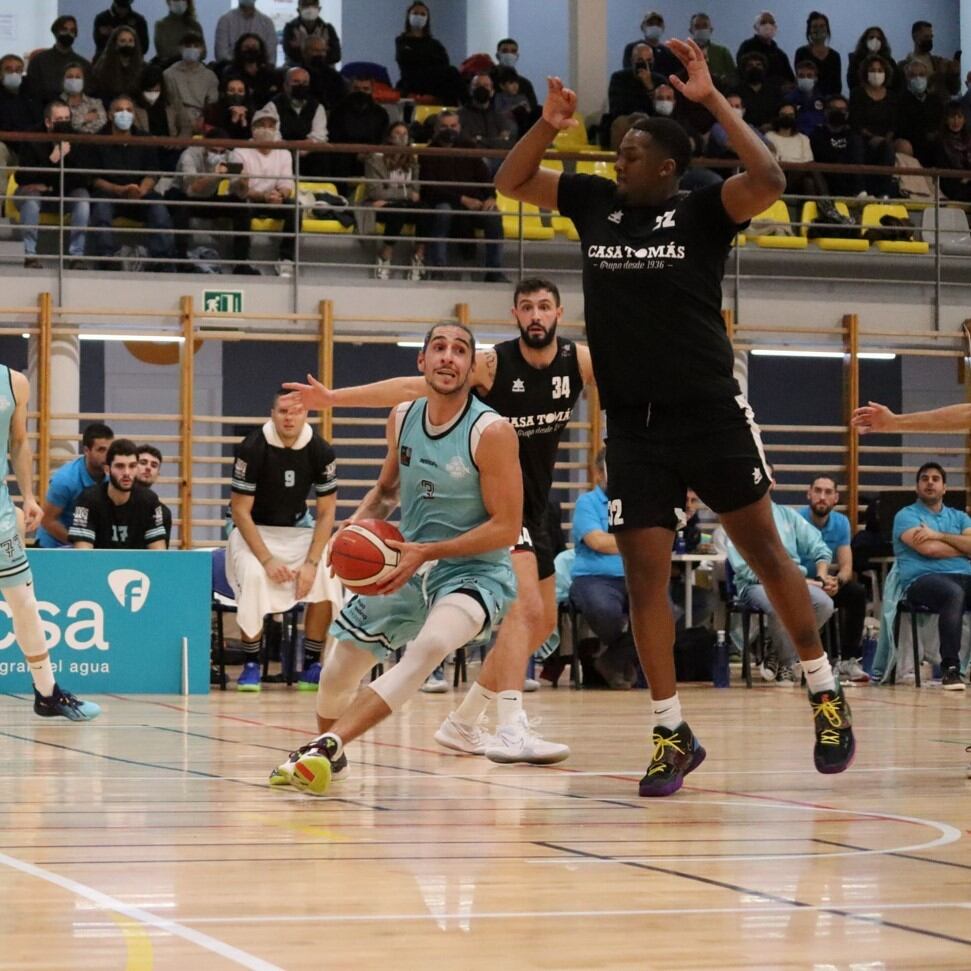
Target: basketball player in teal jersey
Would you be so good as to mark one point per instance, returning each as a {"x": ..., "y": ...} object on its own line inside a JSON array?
[
  {"x": 453, "y": 464},
  {"x": 16, "y": 582}
]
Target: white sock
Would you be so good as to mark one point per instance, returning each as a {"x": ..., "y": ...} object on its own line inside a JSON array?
[
  {"x": 473, "y": 704},
  {"x": 667, "y": 712},
  {"x": 819, "y": 675},
  {"x": 510, "y": 704},
  {"x": 43, "y": 675}
]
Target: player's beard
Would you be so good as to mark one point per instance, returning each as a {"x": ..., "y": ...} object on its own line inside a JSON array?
[
  {"x": 119, "y": 486},
  {"x": 537, "y": 342}
]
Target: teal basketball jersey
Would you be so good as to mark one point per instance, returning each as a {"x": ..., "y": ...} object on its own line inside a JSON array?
[{"x": 8, "y": 403}]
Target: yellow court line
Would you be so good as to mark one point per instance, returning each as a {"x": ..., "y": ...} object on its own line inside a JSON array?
[{"x": 137, "y": 943}]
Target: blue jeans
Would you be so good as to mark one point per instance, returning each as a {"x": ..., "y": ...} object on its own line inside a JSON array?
[
  {"x": 444, "y": 222},
  {"x": 151, "y": 211},
  {"x": 603, "y": 603},
  {"x": 949, "y": 594},
  {"x": 755, "y": 596},
  {"x": 32, "y": 204}
]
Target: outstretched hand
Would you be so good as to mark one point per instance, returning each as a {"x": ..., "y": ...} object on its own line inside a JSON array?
[
  {"x": 699, "y": 86},
  {"x": 312, "y": 395},
  {"x": 560, "y": 105},
  {"x": 873, "y": 417}
]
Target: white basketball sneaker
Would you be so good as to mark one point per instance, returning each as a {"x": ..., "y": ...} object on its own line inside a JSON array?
[
  {"x": 518, "y": 742},
  {"x": 459, "y": 737}
]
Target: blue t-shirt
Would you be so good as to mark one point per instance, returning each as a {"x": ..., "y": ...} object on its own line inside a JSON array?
[
  {"x": 836, "y": 532},
  {"x": 912, "y": 564},
  {"x": 67, "y": 483},
  {"x": 590, "y": 514}
]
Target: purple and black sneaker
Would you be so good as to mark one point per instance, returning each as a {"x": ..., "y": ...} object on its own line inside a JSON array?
[{"x": 676, "y": 753}]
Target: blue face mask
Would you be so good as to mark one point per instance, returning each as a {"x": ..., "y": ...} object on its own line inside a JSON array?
[
  {"x": 917, "y": 84},
  {"x": 507, "y": 59},
  {"x": 806, "y": 84},
  {"x": 191, "y": 55},
  {"x": 702, "y": 35},
  {"x": 123, "y": 119},
  {"x": 652, "y": 33}
]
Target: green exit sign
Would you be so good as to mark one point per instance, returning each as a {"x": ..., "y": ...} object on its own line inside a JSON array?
[{"x": 222, "y": 301}]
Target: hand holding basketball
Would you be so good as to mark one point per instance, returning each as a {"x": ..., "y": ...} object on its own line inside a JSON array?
[{"x": 410, "y": 557}]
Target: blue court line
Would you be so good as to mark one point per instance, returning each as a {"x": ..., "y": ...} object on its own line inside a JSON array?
[{"x": 765, "y": 895}]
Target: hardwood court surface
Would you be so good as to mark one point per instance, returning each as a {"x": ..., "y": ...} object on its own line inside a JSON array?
[{"x": 149, "y": 840}]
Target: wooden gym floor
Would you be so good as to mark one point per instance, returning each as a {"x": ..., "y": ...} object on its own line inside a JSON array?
[{"x": 149, "y": 840}]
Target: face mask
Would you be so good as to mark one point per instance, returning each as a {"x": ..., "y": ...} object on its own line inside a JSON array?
[
  {"x": 874, "y": 44},
  {"x": 264, "y": 135},
  {"x": 214, "y": 158},
  {"x": 508, "y": 59},
  {"x": 446, "y": 136},
  {"x": 819, "y": 35},
  {"x": 664, "y": 108},
  {"x": 235, "y": 99},
  {"x": 653, "y": 33},
  {"x": 806, "y": 84},
  {"x": 191, "y": 55},
  {"x": 318, "y": 61},
  {"x": 73, "y": 85},
  {"x": 786, "y": 121},
  {"x": 417, "y": 20},
  {"x": 836, "y": 118},
  {"x": 481, "y": 96},
  {"x": 359, "y": 99},
  {"x": 65, "y": 40},
  {"x": 123, "y": 119},
  {"x": 151, "y": 97},
  {"x": 754, "y": 74},
  {"x": 767, "y": 31},
  {"x": 178, "y": 7},
  {"x": 126, "y": 50},
  {"x": 250, "y": 56},
  {"x": 309, "y": 14},
  {"x": 917, "y": 84},
  {"x": 62, "y": 127},
  {"x": 299, "y": 92},
  {"x": 925, "y": 46},
  {"x": 876, "y": 78},
  {"x": 702, "y": 35},
  {"x": 739, "y": 111},
  {"x": 401, "y": 139},
  {"x": 641, "y": 66},
  {"x": 12, "y": 82}
]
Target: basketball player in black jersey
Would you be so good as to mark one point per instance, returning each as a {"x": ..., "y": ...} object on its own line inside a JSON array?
[
  {"x": 653, "y": 262},
  {"x": 534, "y": 382}
]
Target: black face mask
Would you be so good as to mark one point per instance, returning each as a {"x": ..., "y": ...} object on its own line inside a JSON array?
[
  {"x": 235, "y": 99},
  {"x": 250, "y": 56},
  {"x": 126, "y": 51},
  {"x": 65, "y": 40},
  {"x": 62, "y": 127},
  {"x": 359, "y": 100},
  {"x": 837, "y": 118},
  {"x": 754, "y": 75},
  {"x": 446, "y": 137},
  {"x": 785, "y": 121},
  {"x": 300, "y": 92},
  {"x": 641, "y": 66},
  {"x": 925, "y": 46},
  {"x": 481, "y": 96},
  {"x": 318, "y": 61}
]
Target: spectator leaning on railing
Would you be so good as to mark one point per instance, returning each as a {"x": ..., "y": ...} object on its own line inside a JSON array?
[{"x": 46, "y": 69}]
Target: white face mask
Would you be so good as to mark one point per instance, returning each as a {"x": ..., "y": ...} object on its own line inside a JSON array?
[
  {"x": 179, "y": 7},
  {"x": 739, "y": 111},
  {"x": 13, "y": 81},
  {"x": 191, "y": 55},
  {"x": 508, "y": 58},
  {"x": 664, "y": 108},
  {"x": 309, "y": 14},
  {"x": 123, "y": 119},
  {"x": 767, "y": 31},
  {"x": 876, "y": 78},
  {"x": 417, "y": 20},
  {"x": 652, "y": 33},
  {"x": 262, "y": 134},
  {"x": 151, "y": 97},
  {"x": 873, "y": 45},
  {"x": 702, "y": 35},
  {"x": 806, "y": 84},
  {"x": 73, "y": 85},
  {"x": 214, "y": 158}
]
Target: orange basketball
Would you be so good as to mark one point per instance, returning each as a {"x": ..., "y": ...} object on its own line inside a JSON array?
[{"x": 360, "y": 557}]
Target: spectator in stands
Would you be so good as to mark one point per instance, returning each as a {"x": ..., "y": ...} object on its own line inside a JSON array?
[
  {"x": 116, "y": 514},
  {"x": 873, "y": 115},
  {"x": 301, "y": 117},
  {"x": 88, "y": 114},
  {"x": 357, "y": 120},
  {"x": 719, "y": 145},
  {"x": 40, "y": 190},
  {"x": 236, "y": 24},
  {"x": 632, "y": 89},
  {"x": 919, "y": 111},
  {"x": 510, "y": 98},
  {"x": 482, "y": 123},
  {"x": 423, "y": 60},
  {"x": 849, "y": 597},
  {"x": 464, "y": 207},
  {"x": 507, "y": 55},
  {"x": 652, "y": 32},
  {"x": 721, "y": 64},
  {"x": 201, "y": 169},
  {"x": 45, "y": 72},
  {"x": 804, "y": 544},
  {"x": 119, "y": 68},
  {"x": 778, "y": 69},
  {"x": 170, "y": 31},
  {"x": 835, "y": 143},
  {"x": 954, "y": 152},
  {"x": 807, "y": 99},
  {"x": 391, "y": 187},
  {"x": 760, "y": 94},
  {"x": 147, "y": 474},
  {"x": 872, "y": 41},
  {"x": 125, "y": 185},
  {"x": 791, "y": 145},
  {"x": 932, "y": 543},
  {"x": 249, "y": 63},
  {"x": 599, "y": 590},
  {"x": 327, "y": 84},
  {"x": 916, "y": 186},
  {"x": 190, "y": 87},
  {"x": 119, "y": 14},
  {"x": 828, "y": 63},
  {"x": 69, "y": 481},
  {"x": 153, "y": 115},
  {"x": 944, "y": 73},
  {"x": 667, "y": 105},
  {"x": 233, "y": 110},
  {"x": 702, "y": 598},
  {"x": 18, "y": 111},
  {"x": 308, "y": 23},
  {"x": 267, "y": 182}
]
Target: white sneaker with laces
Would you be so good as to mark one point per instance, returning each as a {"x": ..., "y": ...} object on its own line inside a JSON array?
[
  {"x": 789, "y": 675},
  {"x": 852, "y": 670},
  {"x": 284, "y": 268},
  {"x": 459, "y": 737},
  {"x": 530, "y": 684},
  {"x": 417, "y": 272},
  {"x": 518, "y": 742},
  {"x": 382, "y": 269},
  {"x": 435, "y": 685}
]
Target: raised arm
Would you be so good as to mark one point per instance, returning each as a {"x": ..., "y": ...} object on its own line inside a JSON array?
[
  {"x": 315, "y": 396},
  {"x": 874, "y": 417},
  {"x": 763, "y": 182}
]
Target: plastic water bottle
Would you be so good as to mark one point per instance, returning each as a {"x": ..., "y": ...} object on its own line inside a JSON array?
[
  {"x": 869, "y": 645},
  {"x": 719, "y": 667},
  {"x": 680, "y": 546}
]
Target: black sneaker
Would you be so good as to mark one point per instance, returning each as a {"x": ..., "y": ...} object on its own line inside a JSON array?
[
  {"x": 951, "y": 678},
  {"x": 835, "y": 745},
  {"x": 676, "y": 753},
  {"x": 64, "y": 704}
]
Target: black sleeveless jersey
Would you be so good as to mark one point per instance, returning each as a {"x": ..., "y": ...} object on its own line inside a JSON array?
[{"x": 538, "y": 402}]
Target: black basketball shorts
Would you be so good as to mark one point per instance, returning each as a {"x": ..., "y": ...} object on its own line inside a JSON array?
[
  {"x": 655, "y": 455},
  {"x": 535, "y": 538}
]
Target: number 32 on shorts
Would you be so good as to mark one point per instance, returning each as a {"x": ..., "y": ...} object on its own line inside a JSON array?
[{"x": 615, "y": 512}]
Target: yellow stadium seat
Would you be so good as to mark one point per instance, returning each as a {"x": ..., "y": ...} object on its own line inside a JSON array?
[
  {"x": 606, "y": 170},
  {"x": 310, "y": 224},
  {"x": 533, "y": 226},
  {"x": 777, "y": 213},
  {"x": 810, "y": 211},
  {"x": 424, "y": 112},
  {"x": 572, "y": 139},
  {"x": 874, "y": 212},
  {"x": 12, "y": 211},
  {"x": 563, "y": 225},
  {"x": 553, "y": 164}
]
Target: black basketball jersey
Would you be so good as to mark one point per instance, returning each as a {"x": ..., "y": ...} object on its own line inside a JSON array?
[{"x": 538, "y": 402}]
